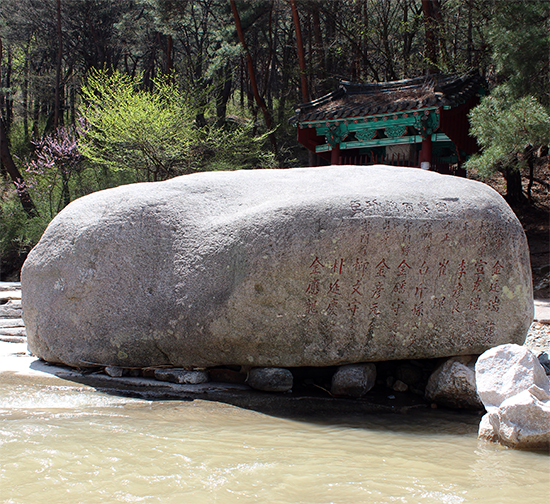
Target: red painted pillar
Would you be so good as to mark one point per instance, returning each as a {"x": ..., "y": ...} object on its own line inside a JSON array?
[
  {"x": 335, "y": 155},
  {"x": 426, "y": 154}
]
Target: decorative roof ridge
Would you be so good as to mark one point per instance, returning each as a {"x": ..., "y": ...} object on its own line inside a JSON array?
[
  {"x": 445, "y": 90},
  {"x": 439, "y": 82}
]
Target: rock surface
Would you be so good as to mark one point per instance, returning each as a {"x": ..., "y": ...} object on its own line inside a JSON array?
[
  {"x": 453, "y": 384},
  {"x": 12, "y": 327},
  {"x": 523, "y": 421},
  {"x": 507, "y": 370},
  {"x": 181, "y": 376},
  {"x": 516, "y": 393},
  {"x": 302, "y": 267},
  {"x": 353, "y": 380},
  {"x": 270, "y": 379}
]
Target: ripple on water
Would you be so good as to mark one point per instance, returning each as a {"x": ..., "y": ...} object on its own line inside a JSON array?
[{"x": 83, "y": 446}]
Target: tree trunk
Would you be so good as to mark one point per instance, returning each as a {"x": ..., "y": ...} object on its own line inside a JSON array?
[
  {"x": 7, "y": 161},
  {"x": 57, "y": 119},
  {"x": 259, "y": 100},
  {"x": 26, "y": 94},
  {"x": 169, "y": 62},
  {"x": 514, "y": 190},
  {"x": 430, "y": 21},
  {"x": 223, "y": 94},
  {"x": 300, "y": 51},
  {"x": 529, "y": 156},
  {"x": 319, "y": 49},
  {"x": 9, "y": 100}
]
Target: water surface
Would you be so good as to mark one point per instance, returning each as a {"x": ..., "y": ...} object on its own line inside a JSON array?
[{"x": 77, "y": 445}]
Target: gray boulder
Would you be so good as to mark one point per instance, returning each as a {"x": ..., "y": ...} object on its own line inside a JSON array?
[
  {"x": 353, "y": 380},
  {"x": 270, "y": 379},
  {"x": 453, "y": 384},
  {"x": 302, "y": 267}
]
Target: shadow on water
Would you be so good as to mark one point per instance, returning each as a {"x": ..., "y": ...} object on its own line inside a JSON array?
[{"x": 381, "y": 409}]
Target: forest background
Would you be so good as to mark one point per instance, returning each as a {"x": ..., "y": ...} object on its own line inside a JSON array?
[{"x": 98, "y": 93}]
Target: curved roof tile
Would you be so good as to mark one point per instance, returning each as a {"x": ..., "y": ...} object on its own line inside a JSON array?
[{"x": 356, "y": 99}]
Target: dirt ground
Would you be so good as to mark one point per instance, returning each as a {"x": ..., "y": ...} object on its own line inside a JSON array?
[{"x": 535, "y": 218}]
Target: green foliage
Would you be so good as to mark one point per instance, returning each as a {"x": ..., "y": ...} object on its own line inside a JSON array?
[
  {"x": 504, "y": 127},
  {"x": 515, "y": 120},
  {"x": 519, "y": 33},
  {"x": 134, "y": 129},
  {"x": 235, "y": 147},
  {"x": 18, "y": 232},
  {"x": 154, "y": 132}
]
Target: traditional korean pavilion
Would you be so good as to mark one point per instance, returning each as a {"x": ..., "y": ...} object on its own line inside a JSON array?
[{"x": 420, "y": 122}]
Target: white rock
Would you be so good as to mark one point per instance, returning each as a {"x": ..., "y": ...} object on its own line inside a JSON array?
[
  {"x": 486, "y": 430},
  {"x": 507, "y": 370},
  {"x": 522, "y": 421}
]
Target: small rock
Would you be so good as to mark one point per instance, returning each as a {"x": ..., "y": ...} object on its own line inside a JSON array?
[
  {"x": 270, "y": 379},
  {"x": 453, "y": 384},
  {"x": 181, "y": 376},
  {"x": 400, "y": 386},
  {"x": 114, "y": 371},
  {"x": 353, "y": 380}
]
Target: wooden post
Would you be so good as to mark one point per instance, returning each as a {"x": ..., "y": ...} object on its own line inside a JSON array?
[
  {"x": 426, "y": 154},
  {"x": 335, "y": 155}
]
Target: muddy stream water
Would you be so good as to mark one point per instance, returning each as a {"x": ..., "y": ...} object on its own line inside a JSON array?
[{"x": 74, "y": 444}]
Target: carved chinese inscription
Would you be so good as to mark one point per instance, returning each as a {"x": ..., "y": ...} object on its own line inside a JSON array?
[{"x": 408, "y": 276}]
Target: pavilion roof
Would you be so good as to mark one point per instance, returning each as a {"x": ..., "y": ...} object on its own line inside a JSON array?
[{"x": 361, "y": 100}]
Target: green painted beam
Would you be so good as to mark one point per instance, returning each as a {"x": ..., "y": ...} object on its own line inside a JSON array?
[
  {"x": 375, "y": 118},
  {"x": 425, "y": 122},
  {"x": 382, "y": 142}
]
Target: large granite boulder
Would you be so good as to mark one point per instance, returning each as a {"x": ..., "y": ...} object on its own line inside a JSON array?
[{"x": 301, "y": 267}]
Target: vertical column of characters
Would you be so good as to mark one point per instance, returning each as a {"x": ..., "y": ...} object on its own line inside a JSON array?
[
  {"x": 420, "y": 296},
  {"x": 356, "y": 296},
  {"x": 381, "y": 271},
  {"x": 314, "y": 287},
  {"x": 406, "y": 239},
  {"x": 458, "y": 288},
  {"x": 493, "y": 304},
  {"x": 334, "y": 288},
  {"x": 397, "y": 305}
]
